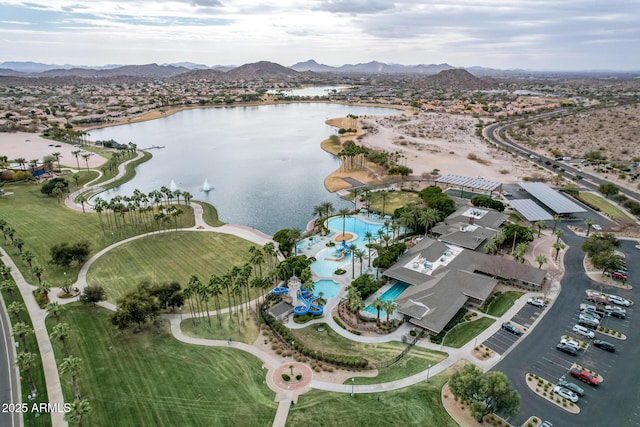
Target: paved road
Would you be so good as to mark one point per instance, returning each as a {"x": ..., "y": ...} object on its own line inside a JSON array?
[
  {"x": 9, "y": 384},
  {"x": 616, "y": 401},
  {"x": 497, "y": 134}
]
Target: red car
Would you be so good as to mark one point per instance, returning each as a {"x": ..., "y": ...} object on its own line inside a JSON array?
[
  {"x": 618, "y": 275},
  {"x": 584, "y": 376}
]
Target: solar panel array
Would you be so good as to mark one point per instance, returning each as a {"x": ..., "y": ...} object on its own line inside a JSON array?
[
  {"x": 530, "y": 210},
  {"x": 551, "y": 198},
  {"x": 477, "y": 183}
]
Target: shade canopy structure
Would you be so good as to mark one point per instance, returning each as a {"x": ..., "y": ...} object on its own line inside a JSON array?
[
  {"x": 530, "y": 210},
  {"x": 551, "y": 198},
  {"x": 476, "y": 183}
]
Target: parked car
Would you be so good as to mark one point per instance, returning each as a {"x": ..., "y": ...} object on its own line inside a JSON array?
[
  {"x": 619, "y": 275},
  {"x": 598, "y": 298},
  {"x": 567, "y": 349},
  {"x": 592, "y": 308},
  {"x": 538, "y": 302},
  {"x": 581, "y": 330},
  {"x": 546, "y": 424},
  {"x": 589, "y": 323},
  {"x": 572, "y": 386},
  {"x": 510, "y": 328},
  {"x": 584, "y": 376},
  {"x": 619, "y": 300},
  {"x": 605, "y": 345},
  {"x": 596, "y": 227},
  {"x": 566, "y": 393},
  {"x": 571, "y": 342},
  {"x": 589, "y": 318},
  {"x": 596, "y": 315},
  {"x": 618, "y": 315}
]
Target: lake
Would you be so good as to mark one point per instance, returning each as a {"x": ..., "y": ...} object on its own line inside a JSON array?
[{"x": 264, "y": 163}]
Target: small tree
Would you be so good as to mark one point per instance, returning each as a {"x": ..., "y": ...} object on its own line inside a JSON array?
[
  {"x": 93, "y": 294},
  {"x": 541, "y": 259}
]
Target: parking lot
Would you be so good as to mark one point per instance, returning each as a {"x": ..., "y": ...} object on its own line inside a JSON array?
[
  {"x": 502, "y": 340},
  {"x": 554, "y": 365}
]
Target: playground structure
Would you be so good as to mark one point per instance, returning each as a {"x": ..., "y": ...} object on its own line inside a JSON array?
[
  {"x": 301, "y": 299},
  {"x": 340, "y": 252}
]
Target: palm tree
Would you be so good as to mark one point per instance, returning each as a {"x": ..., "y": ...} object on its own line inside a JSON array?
[
  {"x": 359, "y": 253},
  {"x": 5, "y": 271},
  {"x": 215, "y": 290},
  {"x": 368, "y": 235},
  {"x": 427, "y": 218},
  {"x": 294, "y": 235},
  {"x": 389, "y": 308},
  {"x": 71, "y": 365},
  {"x": 9, "y": 286},
  {"x": 378, "y": 304},
  {"x": 541, "y": 259},
  {"x": 558, "y": 246},
  {"x": 86, "y": 159},
  {"x": 559, "y": 234},
  {"x": 227, "y": 283},
  {"x": 76, "y": 154},
  {"x": 61, "y": 331},
  {"x": 520, "y": 251},
  {"x": 37, "y": 271},
  {"x": 22, "y": 330},
  {"x": 556, "y": 220},
  {"x": 540, "y": 225},
  {"x": 43, "y": 288},
  {"x": 57, "y": 156},
  {"x": 270, "y": 250},
  {"x": 16, "y": 308},
  {"x": 25, "y": 362},
  {"x": 589, "y": 222},
  {"x": 344, "y": 212},
  {"x": 28, "y": 257},
  {"x": 352, "y": 249},
  {"x": 18, "y": 244},
  {"x": 21, "y": 161},
  {"x": 54, "y": 308},
  {"x": 79, "y": 409},
  {"x": 384, "y": 195}
]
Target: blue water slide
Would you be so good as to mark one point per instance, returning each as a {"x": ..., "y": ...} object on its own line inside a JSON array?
[
  {"x": 344, "y": 245},
  {"x": 279, "y": 290},
  {"x": 307, "y": 299}
]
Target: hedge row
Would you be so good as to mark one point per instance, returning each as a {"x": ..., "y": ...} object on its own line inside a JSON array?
[{"x": 335, "y": 359}]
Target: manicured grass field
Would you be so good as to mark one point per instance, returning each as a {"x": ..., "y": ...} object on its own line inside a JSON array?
[
  {"x": 151, "y": 379},
  {"x": 328, "y": 340},
  {"x": 503, "y": 302},
  {"x": 464, "y": 332},
  {"x": 244, "y": 331},
  {"x": 417, "y": 360},
  {"x": 604, "y": 205},
  {"x": 165, "y": 257},
  {"x": 418, "y": 405},
  {"x": 210, "y": 214}
]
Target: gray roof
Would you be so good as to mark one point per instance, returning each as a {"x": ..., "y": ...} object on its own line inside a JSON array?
[
  {"x": 433, "y": 303},
  {"x": 551, "y": 198},
  {"x": 491, "y": 218},
  {"x": 478, "y": 183},
  {"x": 499, "y": 267},
  {"x": 467, "y": 239},
  {"x": 280, "y": 308},
  {"x": 530, "y": 210}
]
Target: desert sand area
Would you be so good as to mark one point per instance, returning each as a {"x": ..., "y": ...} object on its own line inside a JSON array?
[
  {"x": 446, "y": 142},
  {"x": 32, "y": 146}
]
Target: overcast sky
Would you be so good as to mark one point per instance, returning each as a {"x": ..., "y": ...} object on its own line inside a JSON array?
[{"x": 532, "y": 34}]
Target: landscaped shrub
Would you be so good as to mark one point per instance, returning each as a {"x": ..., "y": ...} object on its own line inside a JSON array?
[
  {"x": 299, "y": 377},
  {"x": 340, "y": 271},
  {"x": 286, "y": 377}
]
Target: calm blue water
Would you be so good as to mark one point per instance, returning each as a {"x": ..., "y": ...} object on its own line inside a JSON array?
[
  {"x": 264, "y": 163},
  {"x": 390, "y": 295},
  {"x": 329, "y": 288},
  {"x": 325, "y": 268},
  {"x": 356, "y": 226}
]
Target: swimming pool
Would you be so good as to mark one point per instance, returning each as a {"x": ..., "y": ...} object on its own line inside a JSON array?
[
  {"x": 329, "y": 288},
  {"x": 325, "y": 267},
  {"x": 355, "y": 225},
  {"x": 390, "y": 295}
]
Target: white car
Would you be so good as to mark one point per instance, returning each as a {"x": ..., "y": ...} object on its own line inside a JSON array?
[
  {"x": 585, "y": 332},
  {"x": 538, "y": 302},
  {"x": 571, "y": 342},
  {"x": 609, "y": 308},
  {"x": 587, "y": 307},
  {"x": 566, "y": 393},
  {"x": 596, "y": 227},
  {"x": 619, "y": 300},
  {"x": 588, "y": 317}
]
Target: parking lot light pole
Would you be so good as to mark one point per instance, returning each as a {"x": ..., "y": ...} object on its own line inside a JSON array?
[{"x": 428, "y": 371}]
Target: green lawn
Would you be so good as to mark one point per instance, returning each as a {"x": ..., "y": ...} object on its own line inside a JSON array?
[
  {"x": 210, "y": 214},
  {"x": 244, "y": 331},
  {"x": 416, "y": 360},
  {"x": 502, "y": 302},
  {"x": 130, "y": 169},
  {"x": 328, "y": 340},
  {"x": 38, "y": 373},
  {"x": 151, "y": 379},
  {"x": 464, "y": 332},
  {"x": 166, "y": 257},
  {"x": 604, "y": 205},
  {"x": 418, "y": 405},
  {"x": 395, "y": 200}
]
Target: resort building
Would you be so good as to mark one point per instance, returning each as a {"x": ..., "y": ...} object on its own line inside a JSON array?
[
  {"x": 442, "y": 278},
  {"x": 469, "y": 227}
]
